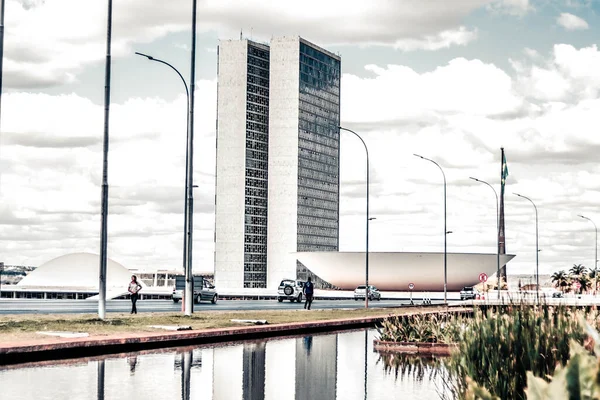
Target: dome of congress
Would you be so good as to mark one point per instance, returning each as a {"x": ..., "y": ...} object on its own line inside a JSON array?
[{"x": 76, "y": 271}]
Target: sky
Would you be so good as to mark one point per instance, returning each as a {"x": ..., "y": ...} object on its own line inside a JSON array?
[{"x": 453, "y": 81}]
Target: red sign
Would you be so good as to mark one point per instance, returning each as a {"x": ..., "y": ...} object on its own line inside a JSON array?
[
  {"x": 577, "y": 285},
  {"x": 483, "y": 277}
]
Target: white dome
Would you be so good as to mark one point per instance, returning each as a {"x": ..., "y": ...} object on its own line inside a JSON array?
[{"x": 77, "y": 271}]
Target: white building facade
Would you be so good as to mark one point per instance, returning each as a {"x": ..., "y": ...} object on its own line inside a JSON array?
[{"x": 277, "y": 159}]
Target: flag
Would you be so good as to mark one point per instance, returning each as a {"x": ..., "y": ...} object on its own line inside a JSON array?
[{"x": 504, "y": 173}]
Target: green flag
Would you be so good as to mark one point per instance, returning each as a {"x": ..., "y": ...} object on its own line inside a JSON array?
[{"x": 504, "y": 169}]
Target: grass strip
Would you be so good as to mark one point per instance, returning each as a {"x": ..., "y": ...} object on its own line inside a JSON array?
[{"x": 20, "y": 328}]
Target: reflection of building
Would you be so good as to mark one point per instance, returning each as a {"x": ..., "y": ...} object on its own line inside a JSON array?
[
  {"x": 254, "y": 371},
  {"x": 277, "y": 159},
  {"x": 316, "y": 367}
]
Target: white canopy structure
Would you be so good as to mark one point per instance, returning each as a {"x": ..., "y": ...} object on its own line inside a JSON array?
[{"x": 395, "y": 271}]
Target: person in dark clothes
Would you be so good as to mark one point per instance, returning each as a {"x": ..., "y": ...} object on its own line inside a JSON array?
[
  {"x": 134, "y": 289},
  {"x": 309, "y": 290}
]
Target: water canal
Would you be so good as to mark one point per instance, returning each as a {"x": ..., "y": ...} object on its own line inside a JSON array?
[{"x": 334, "y": 366}]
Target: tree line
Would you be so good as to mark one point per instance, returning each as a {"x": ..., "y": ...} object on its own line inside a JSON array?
[{"x": 566, "y": 281}]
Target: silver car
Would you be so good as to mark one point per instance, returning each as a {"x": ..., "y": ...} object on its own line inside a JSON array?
[
  {"x": 203, "y": 290},
  {"x": 374, "y": 294}
]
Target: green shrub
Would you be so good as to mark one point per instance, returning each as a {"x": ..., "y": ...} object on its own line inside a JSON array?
[
  {"x": 427, "y": 328},
  {"x": 499, "y": 346}
]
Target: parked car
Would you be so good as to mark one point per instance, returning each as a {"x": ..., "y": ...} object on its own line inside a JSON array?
[
  {"x": 290, "y": 289},
  {"x": 374, "y": 294},
  {"x": 558, "y": 295},
  {"x": 203, "y": 290},
  {"x": 468, "y": 293}
]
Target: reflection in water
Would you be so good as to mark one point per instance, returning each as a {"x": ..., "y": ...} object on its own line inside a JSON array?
[
  {"x": 132, "y": 360},
  {"x": 317, "y": 367},
  {"x": 187, "y": 358},
  {"x": 412, "y": 366},
  {"x": 254, "y": 371},
  {"x": 100, "y": 384}
]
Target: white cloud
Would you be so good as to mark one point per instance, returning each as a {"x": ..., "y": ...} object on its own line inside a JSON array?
[
  {"x": 400, "y": 93},
  {"x": 457, "y": 37},
  {"x": 572, "y": 22},
  {"x": 51, "y": 175},
  {"x": 511, "y": 7},
  {"x": 45, "y": 46},
  {"x": 569, "y": 75}
]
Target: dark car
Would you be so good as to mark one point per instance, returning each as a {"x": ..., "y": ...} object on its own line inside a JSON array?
[
  {"x": 468, "y": 293},
  {"x": 557, "y": 295}
]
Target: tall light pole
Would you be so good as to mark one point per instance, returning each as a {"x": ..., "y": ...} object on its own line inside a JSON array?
[
  {"x": 537, "y": 270},
  {"x": 445, "y": 231},
  {"x": 596, "y": 253},
  {"x": 367, "y": 234},
  {"x": 497, "y": 233},
  {"x": 104, "y": 200},
  {"x": 1, "y": 46},
  {"x": 187, "y": 151},
  {"x": 189, "y": 278}
]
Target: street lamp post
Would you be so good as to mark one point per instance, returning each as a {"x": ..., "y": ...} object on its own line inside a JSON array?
[
  {"x": 537, "y": 270},
  {"x": 497, "y": 234},
  {"x": 596, "y": 253},
  {"x": 1, "y": 45},
  {"x": 367, "y": 232},
  {"x": 189, "y": 278},
  {"x": 104, "y": 199},
  {"x": 445, "y": 231},
  {"x": 187, "y": 293}
]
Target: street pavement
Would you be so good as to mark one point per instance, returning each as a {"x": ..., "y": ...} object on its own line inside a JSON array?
[{"x": 34, "y": 306}]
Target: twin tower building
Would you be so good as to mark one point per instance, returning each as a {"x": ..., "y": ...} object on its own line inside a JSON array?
[{"x": 278, "y": 159}]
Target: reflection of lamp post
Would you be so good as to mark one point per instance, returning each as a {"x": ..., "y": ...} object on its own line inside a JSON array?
[
  {"x": 445, "y": 231},
  {"x": 596, "y": 253},
  {"x": 497, "y": 234},
  {"x": 187, "y": 358},
  {"x": 537, "y": 270},
  {"x": 367, "y": 233},
  {"x": 100, "y": 381},
  {"x": 188, "y": 294},
  {"x": 366, "y": 361}
]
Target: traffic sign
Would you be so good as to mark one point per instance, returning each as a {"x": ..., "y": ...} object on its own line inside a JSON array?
[
  {"x": 483, "y": 277},
  {"x": 411, "y": 286},
  {"x": 577, "y": 285}
]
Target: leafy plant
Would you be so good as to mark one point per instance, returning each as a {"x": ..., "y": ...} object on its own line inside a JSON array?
[
  {"x": 427, "y": 328},
  {"x": 500, "y": 345}
]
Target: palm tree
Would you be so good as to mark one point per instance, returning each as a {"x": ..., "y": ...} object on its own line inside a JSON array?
[
  {"x": 592, "y": 276},
  {"x": 585, "y": 282},
  {"x": 561, "y": 280},
  {"x": 578, "y": 270}
]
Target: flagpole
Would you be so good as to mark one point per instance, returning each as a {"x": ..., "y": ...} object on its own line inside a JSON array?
[{"x": 501, "y": 232}]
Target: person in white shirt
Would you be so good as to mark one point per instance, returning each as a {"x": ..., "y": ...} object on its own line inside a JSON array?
[{"x": 134, "y": 289}]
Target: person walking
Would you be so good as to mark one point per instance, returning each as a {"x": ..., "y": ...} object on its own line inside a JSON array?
[
  {"x": 309, "y": 290},
  {"x": 134, "y": 289}
]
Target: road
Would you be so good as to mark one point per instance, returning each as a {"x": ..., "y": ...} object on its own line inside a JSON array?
[{"x": 33, "y": 306}]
